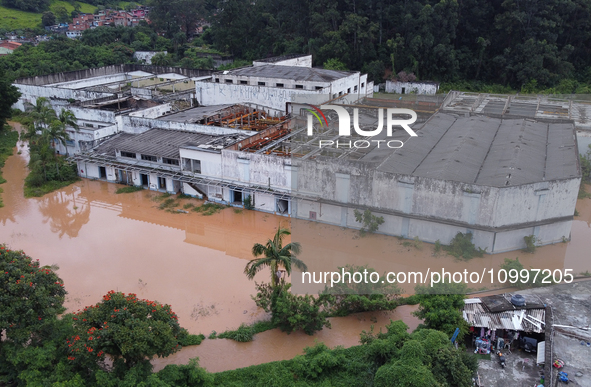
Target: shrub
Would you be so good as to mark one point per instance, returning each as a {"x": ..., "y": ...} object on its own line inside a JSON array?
[
  {"x": 248, "y": 202},
  {"x": 186, "y": 339},
  {"x": 462, "y": 247},
  {"x": 293, "y": 312},
  {"x": 530, "y": 244},
  {"x": 370, "y": 222},
  {"x": 437, "y": 248},
  {"x": 350, "y": 297},
  {"x": 243, "y": 334}
]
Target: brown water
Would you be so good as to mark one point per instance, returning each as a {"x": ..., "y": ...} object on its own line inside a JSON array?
[{"x": 103, "y": 241}]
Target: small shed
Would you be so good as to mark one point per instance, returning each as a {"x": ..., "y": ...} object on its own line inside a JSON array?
[{"x": 423, "y": 87}]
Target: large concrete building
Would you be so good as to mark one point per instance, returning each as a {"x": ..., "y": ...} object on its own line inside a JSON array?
[
  {"x": 494, "y": 166},
  {"x": 499, "y": 179}
]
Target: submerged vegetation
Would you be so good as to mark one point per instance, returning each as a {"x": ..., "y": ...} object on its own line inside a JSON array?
[
  {"x": 246, "y": 332},
  {"x": 461, "y": 247},
  {"x": 129, "y": 189},
  {"x": 209, "y": 208},
  {"x": 370, "y": 222}
]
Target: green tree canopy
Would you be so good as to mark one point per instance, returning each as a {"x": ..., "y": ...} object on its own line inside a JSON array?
[
  {"x": 29, "y": 295},
  {"x": 441, "y": 305},
  {"x": 9, "y": 95},
  {"x": 125, "y": 328}
]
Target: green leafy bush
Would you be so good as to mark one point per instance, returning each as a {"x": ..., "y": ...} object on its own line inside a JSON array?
[
  {"x": 461, "y": 246},
  {"x": 370, "y": 222},
  {"x": 371, "y": 295},
  {"x": 186, "y": 339},
  {"x": 530, "y": 243},
  {"x": 293, "y": 312}
]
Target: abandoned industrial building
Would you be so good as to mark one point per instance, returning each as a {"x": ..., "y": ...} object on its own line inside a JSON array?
[{"x": 238, "y": 134}]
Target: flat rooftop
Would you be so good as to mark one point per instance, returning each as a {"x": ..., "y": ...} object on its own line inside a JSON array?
[
  {"x": 577, "y": 109},
  {"x": 295, "y": 73},
  {"x": 485, "y": 151}
]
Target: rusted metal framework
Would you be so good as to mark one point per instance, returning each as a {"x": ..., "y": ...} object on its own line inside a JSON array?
[{"x": 243, "y": 117}]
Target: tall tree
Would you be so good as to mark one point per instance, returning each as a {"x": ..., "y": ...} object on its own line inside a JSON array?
[
  {"x": 274, "y": 256},
  {"x": 128, "y": 329},
  {"x": 9, "y": 95},
  {"x": 29, "y": 296}
]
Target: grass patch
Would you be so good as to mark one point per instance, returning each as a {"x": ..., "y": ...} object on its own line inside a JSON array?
[
  {"x": 47, "y": 187},
  {"x": 184, "y": 196},
  {"x": 188, "y": 339},
  {"x": 159, "y": 198},
  {"x": 415, "y": 242},
  {"x": 245, "y": 333},
  {"x": 188, "y": 206},
  {"x": 169, "y": 203},
  {"x": 585, "y": 274},
  {"x": 209, "y": 208},
  {"x": 14, "y": 19},
  {"x": 129, "y": 189},
  {"x": 238, "y": 210},
  {"x": 8, "y": 140}
]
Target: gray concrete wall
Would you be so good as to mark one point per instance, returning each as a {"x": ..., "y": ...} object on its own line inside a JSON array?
[
  {"x": 301, "y": 61},
  {"x": 211, "y": 93},
  {"x": 29, "y": 94},
  {"x": 425, "y": 197},
  {"x": 108, "y": 70},
  {"x": 139, "y": 125}
]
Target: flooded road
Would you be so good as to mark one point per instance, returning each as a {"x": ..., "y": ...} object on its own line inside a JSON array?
[{"x": 103, "y": 241}]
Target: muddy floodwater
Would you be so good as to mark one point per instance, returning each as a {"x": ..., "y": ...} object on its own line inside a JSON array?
[{"x": 104, "y": 241}]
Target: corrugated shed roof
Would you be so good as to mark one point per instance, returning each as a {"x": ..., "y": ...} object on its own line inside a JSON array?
[
  {"x": 162, "y": 142},
  {"x": 518, "y": 320}
]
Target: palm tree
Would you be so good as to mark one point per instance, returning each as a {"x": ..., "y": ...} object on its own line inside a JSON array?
[
  {"x": 274, "y": 255},
  {"x": 41, "y": 112},
  {"x": 68, "y": 119}
]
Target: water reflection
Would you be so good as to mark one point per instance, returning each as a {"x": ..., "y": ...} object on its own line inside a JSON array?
[{"x": 64, "y": 214}]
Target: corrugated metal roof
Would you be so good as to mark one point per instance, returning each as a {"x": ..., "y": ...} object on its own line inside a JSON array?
[
  {"x": 163, "y": 142},
  {"x": 518, "y": 320}
]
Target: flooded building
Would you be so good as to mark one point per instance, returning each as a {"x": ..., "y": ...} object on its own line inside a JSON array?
[
  {"x": 275, "y": 83},
  {"x": 498, "y": 179},
  {"x": 498, "y": 167}
]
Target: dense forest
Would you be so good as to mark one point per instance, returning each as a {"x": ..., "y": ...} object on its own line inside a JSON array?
[
  {"x": 511, "y": 42},
  {"x": 519, "y": 44}
]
